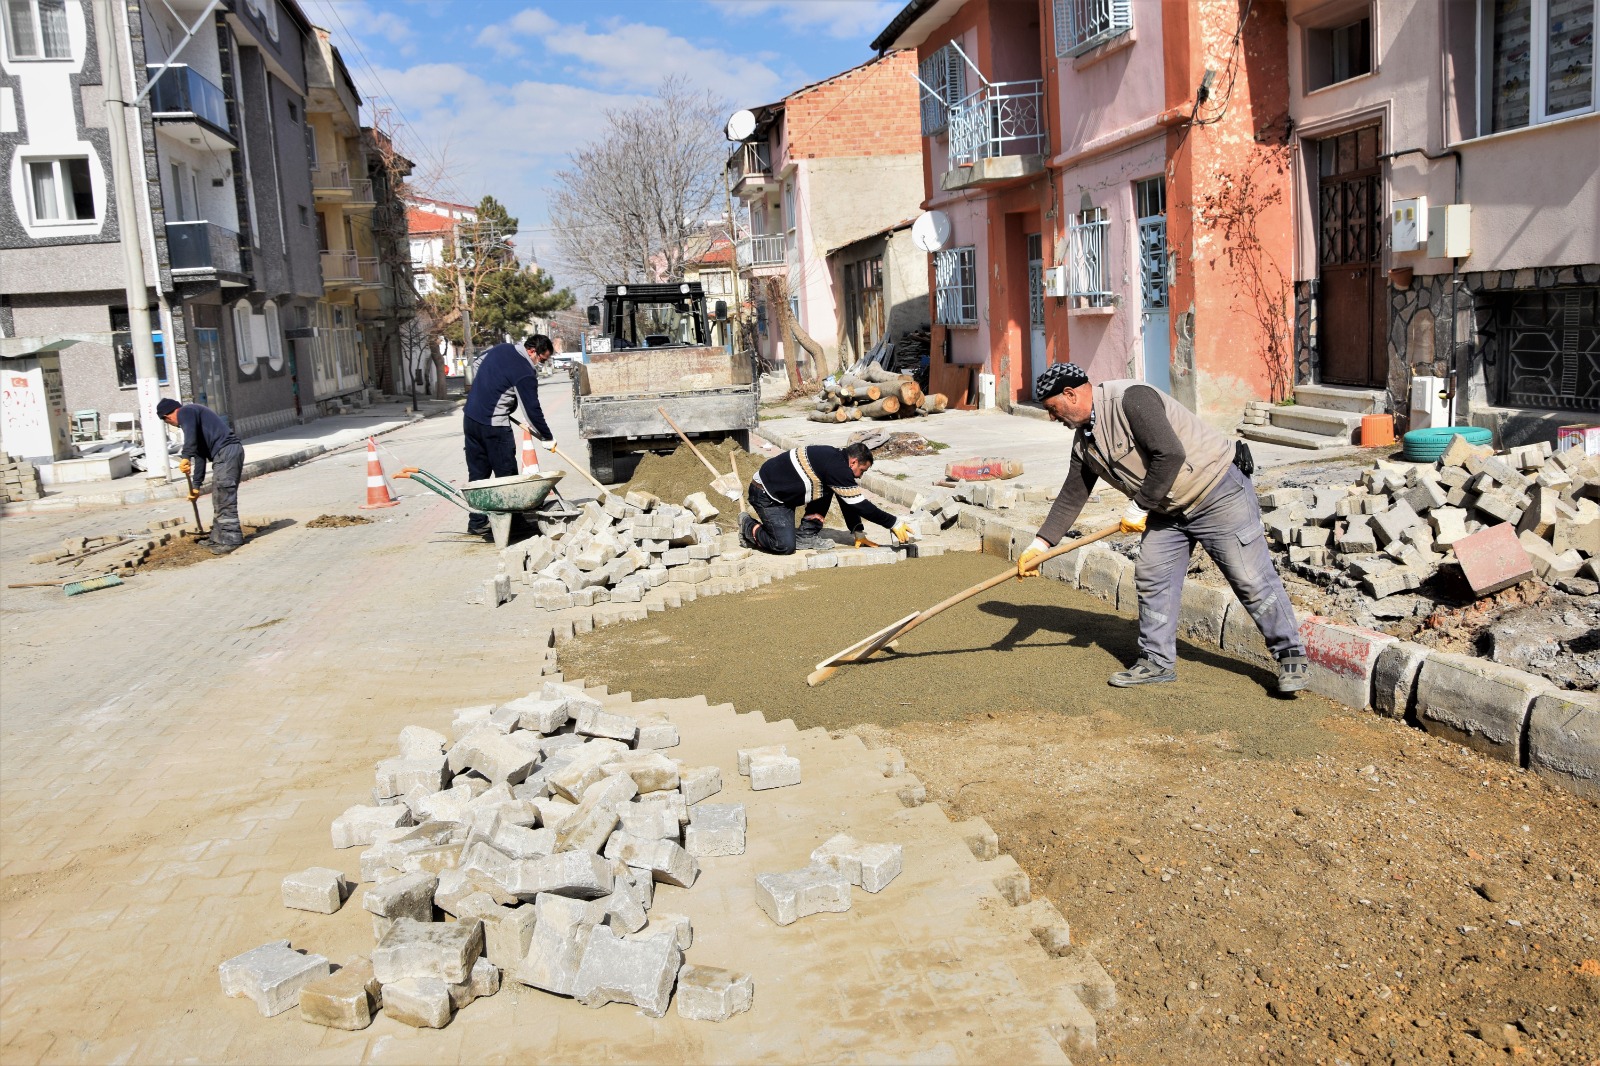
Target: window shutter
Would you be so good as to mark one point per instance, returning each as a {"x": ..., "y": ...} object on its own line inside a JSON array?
[
  {"x": 955, "y": 78},
  {"x": 932, "y": 73},
  {"x": 1121, "y": 16}
]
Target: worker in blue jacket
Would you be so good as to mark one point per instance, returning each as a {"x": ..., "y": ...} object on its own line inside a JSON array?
[
  {"x": 811, "y": 478},
  {"x": 506, "y": 379},
  {"x": 207, "y": 439}
]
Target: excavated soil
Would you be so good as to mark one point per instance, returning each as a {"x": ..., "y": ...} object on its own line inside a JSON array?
[
  {"x": 337, "y": 521},
  {"x": 185, "y": 550},
  {"x": 1267, "y": 880},
  {"x": 678, "y": 474}
]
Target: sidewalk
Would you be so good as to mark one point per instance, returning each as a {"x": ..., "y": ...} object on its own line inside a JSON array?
[{"x": 263, "y": 455}]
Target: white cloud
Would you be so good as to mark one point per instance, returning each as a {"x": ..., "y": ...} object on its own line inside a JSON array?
[
  {"x": 844, "y": 19},
  {"x": 501, "y": 38},
  {"x": 363, "y": 20}
]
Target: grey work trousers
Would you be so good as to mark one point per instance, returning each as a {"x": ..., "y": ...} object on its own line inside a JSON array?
[
  {"x": 226, "y": 468},
  {"x": 1228, "y": 523}
]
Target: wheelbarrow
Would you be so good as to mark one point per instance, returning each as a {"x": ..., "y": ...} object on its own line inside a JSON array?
[{"x": 498, "y": 499}]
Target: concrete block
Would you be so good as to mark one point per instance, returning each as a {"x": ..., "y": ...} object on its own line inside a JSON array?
[
  {"x": 271, "y": 976},
  {"x": 442, "y": 950},
  {"x": 650, "y": 771},
  {"x": 494, "y": 756},
  {"x": 406, "y": 896},
  {"x": 343, "y": 1000},
  {"x": 561, "y": 932},
  {"x": 537, "y": 714},
  {"x": 623, "y": 910},
  {"x": 1388, "y": 525},
  {"x": 744, "y": 755},
  {"x": 579, "y": 874},
  {"x": 576, "y": 699},
  {"x": 422, "y": 1003},
  {"x": 1102, "y": 572},
  {"x": 1009, "y": 879},
  {"x": 652, "y": 821},
  {"x": 1580, "y": 534},
  {"x": 594, "y": 722},
  {"x": 666, "y": 860},
  {"x": 676, "y": 926},
  {"x": 1202, "y": 612},
  {"x": 658, "y": 733},
  {"x": 507, "y": 932},
  {"x": 396, "y": 777},
  {"x": 584, "y": 768},
  {"x": 773, "y": 771},
  {"x": 497, "y": 590},
  {"x": 699, "y": 783},
  {"x": 1394, "y": 678},
  {"x": 1312, "y": 536},
  {"x": 1425, "y": 495},
  {"x": 1477, "y": 703},
  {"x": 1449, "y": 526},
  {"x": 1047, "y": 925},
  {"x": 419, "y": 743},
  {"x": 1564, "y": 740},
  {"x": 715, "y": 829},
  {"x": 868, "y": 866},
  {"x": 588, "y": 827},
  {"x": 1539, "y": 519},
  {"x": 672, "y": 802},
  {"x": 639, "y": 972},
  {"x": 1493, "y": 559},
  {"x": 1546, "y": 563},
  {"x": 1499, "y": 506},
  {"x": 1358, "y": 539},
  {"x": 318, "y": 889},
  {"x": 712, "y": 994},
  {"x": 788, "y": 897},
  {"x": 1342, "y": 659}
]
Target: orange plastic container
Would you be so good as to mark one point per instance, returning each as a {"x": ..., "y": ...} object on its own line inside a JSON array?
[{"x": 1377, "y": 431}]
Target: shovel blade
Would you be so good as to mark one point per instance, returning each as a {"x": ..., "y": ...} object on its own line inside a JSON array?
[{"x": 727, "y": 485}]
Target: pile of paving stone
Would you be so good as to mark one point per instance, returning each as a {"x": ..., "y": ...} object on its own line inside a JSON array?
[
  {"x": 119, "y": 552},
  {"x": 530, "y": 847},
  {"x": 19, "y": 480},
  {"x": 1502, "y": 518}
]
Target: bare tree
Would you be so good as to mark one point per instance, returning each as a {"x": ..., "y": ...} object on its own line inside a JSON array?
[{"x": 626, "y": 207}]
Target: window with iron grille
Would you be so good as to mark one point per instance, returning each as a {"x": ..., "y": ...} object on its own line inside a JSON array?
[
  {"x": 1546, "y": 345},
  {"x": 1088, "y": 279},
  {"x": 944, "y": 83},
  {"x": 1083, "y": 24},
  {"x": 955, "y": 275}
]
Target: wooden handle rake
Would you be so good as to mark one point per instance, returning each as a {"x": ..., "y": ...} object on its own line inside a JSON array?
[{"x": 868, "y": 646}]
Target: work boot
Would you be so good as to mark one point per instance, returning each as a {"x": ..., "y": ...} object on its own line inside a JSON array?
[
  {"x": 221, "y": 549},
  {"x": 1143, "y": 672},
  {"x": 1294, "y": 673},
  {"x": 747, "y": 532}
]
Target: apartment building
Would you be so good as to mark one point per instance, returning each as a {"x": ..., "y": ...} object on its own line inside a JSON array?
[{"x": 828, "y": 164}]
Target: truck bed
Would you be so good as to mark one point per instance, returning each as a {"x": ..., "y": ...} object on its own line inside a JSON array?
[{"x": 656, "y": 371}]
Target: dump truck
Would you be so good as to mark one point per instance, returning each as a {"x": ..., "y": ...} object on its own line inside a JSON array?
[{"x": 651, "y": 348}]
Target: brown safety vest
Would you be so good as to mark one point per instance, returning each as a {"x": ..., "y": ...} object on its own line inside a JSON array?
[{"x": 1113, "y": 455}]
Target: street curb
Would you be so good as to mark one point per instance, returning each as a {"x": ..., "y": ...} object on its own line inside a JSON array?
[
  {"x": 170, "y": 490},
  {"x": 1566, "y": 757}
]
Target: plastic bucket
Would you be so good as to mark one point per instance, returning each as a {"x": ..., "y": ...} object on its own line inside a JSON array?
[{"x": 1377, "y": 431}]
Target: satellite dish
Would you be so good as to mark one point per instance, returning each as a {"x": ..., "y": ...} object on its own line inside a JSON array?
[
  {"x": 741, "y": 125},
  {"x": 931, "y": 231}
]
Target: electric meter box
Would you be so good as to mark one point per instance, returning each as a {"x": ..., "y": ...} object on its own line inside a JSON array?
[
  {"x": 1055, "y": 281},
  {"x": 1450, "y": 231},
  {"x": 1408, "y": 224}
]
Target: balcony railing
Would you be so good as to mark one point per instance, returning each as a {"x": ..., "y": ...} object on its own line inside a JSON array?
[
  {"x": 183, "y": 92},
  {"x": 361, "y": 190},
  {"x": 331, "y": 176},
  {"x": 200, "y": 246},
  {"x": 751, "y": 159},
  {"x": 999, "y": 119},
  {"x": 347, "y": 268},
  {"x": 763, "y": 250}
]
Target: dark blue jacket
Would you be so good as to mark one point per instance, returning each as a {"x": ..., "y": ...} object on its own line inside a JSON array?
[
  {"x": 205, "y": 436},
  {"x": 812, "y": 476},
  {"x": 505, "y": 377}
]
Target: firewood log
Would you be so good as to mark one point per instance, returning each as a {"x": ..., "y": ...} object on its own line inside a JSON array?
[
  {"x": 935, "y": 402},
  {"x": 887, "y": 407},
  {"x": 827, "y": 416}
]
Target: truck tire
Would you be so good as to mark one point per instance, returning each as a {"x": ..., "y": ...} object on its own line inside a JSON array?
[
  {"x": 602, "y": 461},
  {"x": 742, "y": 439}
]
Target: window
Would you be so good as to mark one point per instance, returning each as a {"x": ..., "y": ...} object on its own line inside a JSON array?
[
  {"x": 955, "y": 275},
  {"x": 1087, "y": 240},
  {"x": 1083, "y": 24},
  {"x": 37, "y": 29},
  {"x": 122, "y": 347},
  {"x": 59, "y": 190},
  {"x": 944, "y": 84},
  {"x": 305, "y": 216},
  {"x": 1546, "y": 345},
  {"x": 274, "y": 337},
  {"x": 1536, "y": 61},
  {"x": 294, "y": 111},
  {"x": 241, "y": 337},
  {"x": 1335, "y": 54}
]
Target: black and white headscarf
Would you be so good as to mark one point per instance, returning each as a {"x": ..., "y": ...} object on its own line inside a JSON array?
[{"x": 1058, "y": 378}]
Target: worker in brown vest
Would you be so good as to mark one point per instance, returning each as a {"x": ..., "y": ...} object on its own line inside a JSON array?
[{"x": 1185, "y": 482}]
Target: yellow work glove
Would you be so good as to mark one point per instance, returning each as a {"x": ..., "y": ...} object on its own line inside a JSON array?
[
  {"x": 1133, "y": 519},
  {"x": 194, "y": 494},
  {"x": 901, "y": 531},
  {"x": 863, "y": 542},
  {"x": 1028, "y": 562},
  {"x": 183, "y": 466}
]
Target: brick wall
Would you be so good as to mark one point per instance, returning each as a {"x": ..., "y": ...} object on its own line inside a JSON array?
[{"x": 869, "y": 111}]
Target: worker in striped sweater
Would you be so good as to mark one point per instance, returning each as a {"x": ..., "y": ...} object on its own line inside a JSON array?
[{"x": 811, "y": 478}]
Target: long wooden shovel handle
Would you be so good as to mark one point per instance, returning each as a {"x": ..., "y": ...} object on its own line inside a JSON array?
[
  {"x": 859, "y": 651},
  {"x": 580, "y": 468},
  {"x": 684, "y": 437}
]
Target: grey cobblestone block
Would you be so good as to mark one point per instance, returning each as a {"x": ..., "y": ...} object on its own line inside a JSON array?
[
  {"x": 584, "y": 769},
  {"x": 1477, "y": 703},
  {"x": 1082, "y": 973},
  {"x": 579, "y": 874},
  {"x": 493, "y": 756},
  {"x": 666, "y": 860},
  {"x": 623, "y": 910},
  {"x": 561, "y": 932},
  {"x": 672, "y": 802},
  {"x": 1047, "y": 925},
  {"x": 1564, "y": 740},
  {"x": 744, "y": 755},
  {"x": 271, "y": 976},
  {"x": 357, "y": 826},
  {"x": 317, "y": 889},
  {"x": 422, "y": 1003},
  {"x": 773, "y": 771},
  {"x": 343, "y": 1000},
  {"x": 406, "y": 896},
  {"x": 1202, "y": 612},
  {"x": 445, "y": 951},
  {"x": 716, "y": 829},
  {"x": 656, "y": 734},
  {"x": 652, "y": 821},
  {"x": 676, "y": 926},
  {"x": 594, "y": 722},
  {"x": 588, "y": 828},
  {"x": 712, "y": 994},
  {"x": 822, "y": 560},
  {"x": 788, "y": 897},
  {"x": 396, "y": 777},
  {"x": 639, "y": 972},
  {"x": 507, "y": 932},
  {"x": 650, "y": 770},
  {"x": 1009, "y": 879},
  {"x": 867, "y": 866},
  {"x": 539, "y": 715},
  {"x": 1394, "y": 678},
  {"x": 981, "y": 840},
  {"x": 419, "y": 743},
  {"x": 1101, "y": 573}
]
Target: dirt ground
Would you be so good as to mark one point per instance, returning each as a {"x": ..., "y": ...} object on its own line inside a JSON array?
[
  {"x": 185, "y": 549},
  {"x": 1267, "y": 880}
]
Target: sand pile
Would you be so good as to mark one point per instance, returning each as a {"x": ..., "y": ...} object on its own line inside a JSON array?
[{"x": 678, "y": 473}]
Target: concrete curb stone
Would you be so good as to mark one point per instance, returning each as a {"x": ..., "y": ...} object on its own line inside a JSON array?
[
  {"x": 1394, "y": 678},
  {"x": 1564, "y": 740},
  {"x": 1477, "y": 703},
  {"x": 1342, "y": 659},
  {"x": 1203, "y": 611}
]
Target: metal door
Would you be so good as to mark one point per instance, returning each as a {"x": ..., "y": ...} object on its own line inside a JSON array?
[
  {"x": 1038, "y": 357},
  {"x": 1150, "y": 202},
  {"x": 1351, "y": 320}
]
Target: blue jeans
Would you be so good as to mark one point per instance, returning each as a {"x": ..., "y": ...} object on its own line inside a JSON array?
[
  {"x": 1228, "y": 523},
  {"x": 491, "y": 452}
]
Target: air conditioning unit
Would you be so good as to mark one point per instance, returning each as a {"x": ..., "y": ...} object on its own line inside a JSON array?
[{"x": 1055, "y": 281}]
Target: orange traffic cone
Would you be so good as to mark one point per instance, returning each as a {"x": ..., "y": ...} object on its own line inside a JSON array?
[
  {"x": 529, "y": 460},
  {"x": 378, "y": 491}
]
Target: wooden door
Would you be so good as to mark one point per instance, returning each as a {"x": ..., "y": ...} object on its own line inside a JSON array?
[{"x": 1352, "y": 318}]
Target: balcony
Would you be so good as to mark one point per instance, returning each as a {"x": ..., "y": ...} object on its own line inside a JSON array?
[
  {"x": 341, "y": 270},
  {"x": 186, "y": 105},
  {"x": 750, "y": 171},
  {"x": 763, "y": 253},
  {"x": 202, "y": 251},
  {"x": 331, "y": 183},
  {"x": 997, "y": 134},
  {"x": 361, "y": 192}
]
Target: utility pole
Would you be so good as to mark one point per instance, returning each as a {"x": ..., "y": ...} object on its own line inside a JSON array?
[{"x": 151, "y": 427}]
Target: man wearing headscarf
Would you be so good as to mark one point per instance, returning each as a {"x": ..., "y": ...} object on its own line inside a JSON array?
[{"x": 1185, "y": 482}]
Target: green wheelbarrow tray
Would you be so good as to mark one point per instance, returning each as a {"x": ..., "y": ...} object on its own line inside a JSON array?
[{"x": 498, "y": 498}]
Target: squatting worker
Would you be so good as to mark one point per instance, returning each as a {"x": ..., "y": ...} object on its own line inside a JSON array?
[
  {"x": 811, "y": 477},
  {"x": 207, "y": 439},
  {"x": 506, "y": 378},
  {"x": 1183, "y": 486}
]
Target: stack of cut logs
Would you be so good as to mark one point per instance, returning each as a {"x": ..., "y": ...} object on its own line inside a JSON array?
[{"x": 875, "y": 393}]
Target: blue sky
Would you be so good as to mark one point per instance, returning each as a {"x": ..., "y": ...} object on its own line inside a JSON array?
[{"x": 489, "y": 96}]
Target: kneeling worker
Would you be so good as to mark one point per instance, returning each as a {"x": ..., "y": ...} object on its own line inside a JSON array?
[
  {"x": 811, "y": 477},
  {"x": 1183, "y": 486}
]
